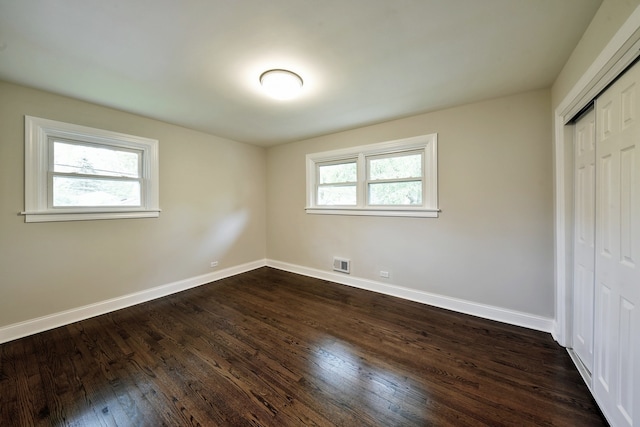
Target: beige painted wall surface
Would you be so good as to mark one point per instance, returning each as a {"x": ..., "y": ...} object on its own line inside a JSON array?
[
  {"x": 611, "y": 15},
  {"x": 493, "y": 241},
  {"x": 212, "y": 196}
]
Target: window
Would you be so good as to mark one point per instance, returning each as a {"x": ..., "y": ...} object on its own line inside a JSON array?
[
  {"x": 397, "y": 178},
  {"x": 337, "y": 183},
  {"x": 79, "y": 173}
]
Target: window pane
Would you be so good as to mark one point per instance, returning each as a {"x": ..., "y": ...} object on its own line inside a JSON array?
[
  {"x": 88, "y": 160},
  {"x": 409, "y": 166},
  {"x": 396, "y": 193},
  {"x": 70, "y": 191},
  {"x": 340, "y": 195},
  {"x": 333, "y": 174}
]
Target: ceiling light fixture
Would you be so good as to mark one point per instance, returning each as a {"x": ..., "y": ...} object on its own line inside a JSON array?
[{"x": 281, "y": 84}]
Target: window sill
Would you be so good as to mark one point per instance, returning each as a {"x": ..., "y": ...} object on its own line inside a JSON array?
[
  {"x": 87, "y": 216},
  {"x": 415, "y": 213}
]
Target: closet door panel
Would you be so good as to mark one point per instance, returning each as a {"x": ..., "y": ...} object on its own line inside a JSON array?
[
  {"x": 616, "y": 381},
  {"x": 583, "y": 245}
]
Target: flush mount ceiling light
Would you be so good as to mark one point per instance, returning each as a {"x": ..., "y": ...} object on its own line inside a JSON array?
[{"x": 281, "y": 84}]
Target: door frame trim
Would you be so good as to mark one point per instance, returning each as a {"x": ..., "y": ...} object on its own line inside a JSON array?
[{"x": 618, "y": 54}]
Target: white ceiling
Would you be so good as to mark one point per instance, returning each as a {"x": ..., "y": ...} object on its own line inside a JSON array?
[{"x": 196, "y": 63}]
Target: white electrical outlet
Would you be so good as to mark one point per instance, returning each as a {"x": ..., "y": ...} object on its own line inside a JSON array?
[
  {"x": 214, "y": 264},
  {"x": 384, "y": 274}
]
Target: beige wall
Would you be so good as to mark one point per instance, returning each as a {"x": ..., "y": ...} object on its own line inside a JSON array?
[
  {"x": 609, "y": 18},
  {"x": 212, "y": 196},
  {"x": 493, "y": 241}
]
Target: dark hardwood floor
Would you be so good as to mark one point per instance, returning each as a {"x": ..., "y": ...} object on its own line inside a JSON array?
[{"x": 271, "y": 348}]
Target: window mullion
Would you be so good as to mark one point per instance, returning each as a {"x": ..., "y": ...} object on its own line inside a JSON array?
[
  {"x": 95, "y": 176},
  {"x": 317, "y": 185},
  {"x": 425, "y": 172},
  {"x": 362, "y": 178},
  {"x": 49, "y": 189},
  {"x": 392, "y": 180},
  {"x": 338, "y": 184},
  {"x": 50, "y": 173}
]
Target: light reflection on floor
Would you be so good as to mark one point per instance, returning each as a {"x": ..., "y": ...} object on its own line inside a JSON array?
[{"x": 347, "y": 373}]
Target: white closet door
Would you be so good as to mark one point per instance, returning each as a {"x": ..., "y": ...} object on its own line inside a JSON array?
[
  {"x": 583, "y": 244},
  {"x": 616, "y": 375}
]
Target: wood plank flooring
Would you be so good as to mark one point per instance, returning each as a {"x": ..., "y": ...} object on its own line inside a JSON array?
[{"x": 271, "y": 348}]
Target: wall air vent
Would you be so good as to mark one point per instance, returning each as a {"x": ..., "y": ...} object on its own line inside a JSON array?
[{"x": 342, "y": 265}]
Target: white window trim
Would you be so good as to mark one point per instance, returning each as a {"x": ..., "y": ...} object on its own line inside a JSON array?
[
  {"x": 39, "y": 131},
  {"x": 429, "y": 208}
]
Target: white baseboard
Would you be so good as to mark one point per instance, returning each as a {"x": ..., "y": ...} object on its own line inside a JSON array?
[
  {"x": 40, "y": 324},
  {"x": 34, "y": 326},
  {"x": 462, "y": 306},
  {"x": 555, "y": 333}
]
